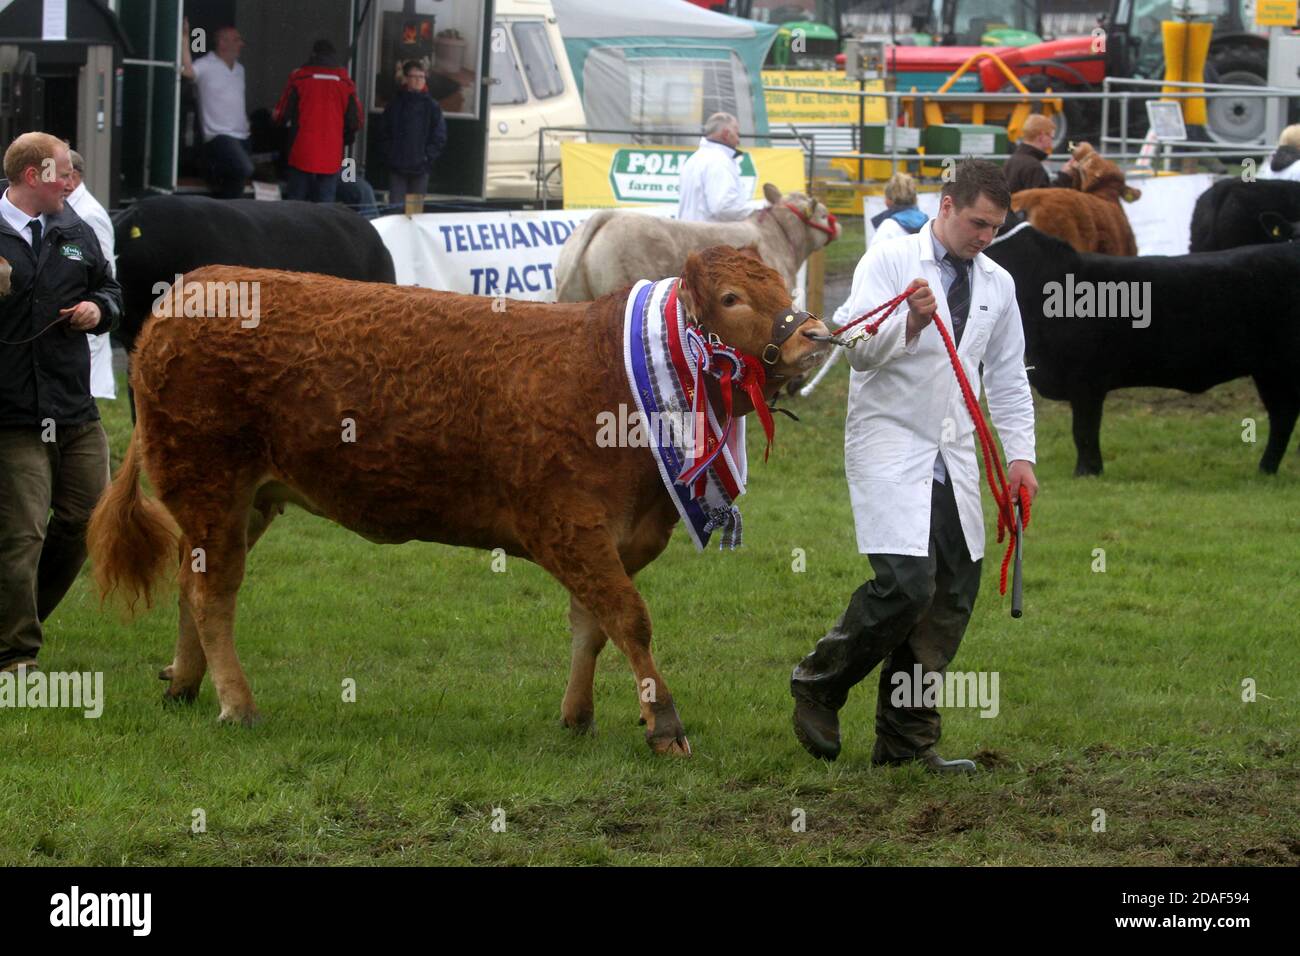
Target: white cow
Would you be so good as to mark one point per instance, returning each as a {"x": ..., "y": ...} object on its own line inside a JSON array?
[{"x": 616, "y": 247}]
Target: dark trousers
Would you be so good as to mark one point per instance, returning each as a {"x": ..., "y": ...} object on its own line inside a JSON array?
[
  {"x": 47, "y": 492},
  {"x": 400, "y": 184},
  {"x": 914, "y": 611},
  {"x": 229, "y": 166},
  {"x": 313, "y": 187}
]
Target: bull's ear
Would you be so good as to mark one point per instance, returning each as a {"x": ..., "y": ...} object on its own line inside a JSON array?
[
  {"x": 771, "y": 193},
  {"x": 1131, "y": 195},
  {"x": 750, "y": 250},
  {"x": 690, "y": 286}
]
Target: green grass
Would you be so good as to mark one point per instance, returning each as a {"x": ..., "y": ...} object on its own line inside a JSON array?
[{"x": 1120, "y": 691}]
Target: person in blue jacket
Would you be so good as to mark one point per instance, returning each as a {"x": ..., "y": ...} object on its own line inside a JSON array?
[{"x": 413, "y": 135}]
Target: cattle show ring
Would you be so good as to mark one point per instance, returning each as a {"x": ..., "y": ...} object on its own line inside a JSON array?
[{"x": 781, "y": 460}]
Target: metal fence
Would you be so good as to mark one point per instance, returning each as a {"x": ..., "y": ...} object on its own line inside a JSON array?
[{"x": 1114, "y": 100}]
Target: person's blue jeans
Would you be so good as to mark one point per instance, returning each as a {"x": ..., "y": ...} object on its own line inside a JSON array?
[
  {"x": 313, "y": 187},
  {"x": 229, "y": 166}
]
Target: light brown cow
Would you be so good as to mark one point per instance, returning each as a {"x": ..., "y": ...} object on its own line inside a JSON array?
[
  {"x": 615, "y": 247},
  {"x": 1091, "y": 218},
  {"x": 471, "y": 428}
]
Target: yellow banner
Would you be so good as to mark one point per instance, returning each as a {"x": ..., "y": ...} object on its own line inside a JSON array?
[
  {"x": 1275, "y": 13},
  {"x": 810, "y": 108},
  {"x": 598, "y": 175}
]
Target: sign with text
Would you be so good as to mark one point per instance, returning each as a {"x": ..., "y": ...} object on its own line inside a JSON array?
[{"x": 598, "y": 175}]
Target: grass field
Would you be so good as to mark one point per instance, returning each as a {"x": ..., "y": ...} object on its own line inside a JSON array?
[{"x": 1120, "y": 691}]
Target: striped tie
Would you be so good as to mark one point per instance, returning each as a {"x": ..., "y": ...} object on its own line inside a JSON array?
[{"x": 959, "y": 296}]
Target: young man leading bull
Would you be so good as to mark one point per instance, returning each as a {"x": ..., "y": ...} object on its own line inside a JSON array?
[{"x": 910, "y": 459}]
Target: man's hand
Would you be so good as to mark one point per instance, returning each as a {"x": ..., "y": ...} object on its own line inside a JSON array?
[
  {"x": 921, "y": 307},
  {"x": 1022, "y": 473},
  {"x": 84, "y": 316}
]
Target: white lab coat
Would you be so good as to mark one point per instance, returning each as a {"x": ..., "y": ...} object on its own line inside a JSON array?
[
  {"x": 709, "y": 187},
  {"x": 102, "y": 383},
  {"x": 900, "y": 396}
]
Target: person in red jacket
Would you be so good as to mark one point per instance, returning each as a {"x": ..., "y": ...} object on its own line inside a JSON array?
[{"x": 320, "y": 106}]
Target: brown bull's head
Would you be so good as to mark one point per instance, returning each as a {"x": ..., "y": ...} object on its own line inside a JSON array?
[
  {"x": 733, "y": 294},
  {"x": 1101, "y": 177}
]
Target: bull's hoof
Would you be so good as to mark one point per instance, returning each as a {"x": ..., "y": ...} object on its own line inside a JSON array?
[
  {"x": 180, "y": 695},
  {"x": 242, "y": 717},
  {"x": 1087, "y": 471},
  {"x": 1268, "y": 467},
  {"x": 584, "y": 724},
  {"x": 674, "y": 746}
]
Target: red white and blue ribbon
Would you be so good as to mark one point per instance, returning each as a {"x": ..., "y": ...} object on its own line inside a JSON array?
[{"x": 703, "y": 467}]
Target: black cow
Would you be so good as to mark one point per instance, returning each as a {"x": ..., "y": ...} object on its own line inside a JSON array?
[
  {"x": 159, "y": 239},
  {"x": 1234, "y": 213},
  {"x": 1201, "y": 320}
]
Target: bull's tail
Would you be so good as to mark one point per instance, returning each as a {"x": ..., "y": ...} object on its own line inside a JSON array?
[
  {"x": 571, "y": 280},
  {"x": 131, "y": 538}
]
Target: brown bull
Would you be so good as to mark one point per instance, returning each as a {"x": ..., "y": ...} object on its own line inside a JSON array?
[
  {"x": 470, "y": 428},
  {"x": 1090, "y": 218}
]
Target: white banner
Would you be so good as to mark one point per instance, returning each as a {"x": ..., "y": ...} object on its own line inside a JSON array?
[
  {"x": 1161, "y": 218},
  {"x": 487, "y": 253}
]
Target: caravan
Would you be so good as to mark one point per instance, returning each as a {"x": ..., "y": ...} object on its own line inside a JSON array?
[{"x": 532, "y": 87}]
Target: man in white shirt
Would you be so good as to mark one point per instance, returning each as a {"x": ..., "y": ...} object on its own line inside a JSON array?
[
  {"x": 913, "y": 470},
  {"x": 709, "y": 188},
  {"x": 102, "y": 384},
  {"x": 222, "y": 114}
]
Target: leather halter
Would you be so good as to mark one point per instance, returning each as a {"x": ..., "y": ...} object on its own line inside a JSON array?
[
  {"x": 784, "y": 325},
  {"x": 787, "y": 323}
]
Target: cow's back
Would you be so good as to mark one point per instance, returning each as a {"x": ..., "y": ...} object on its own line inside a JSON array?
[
  {"x": 351, "y": 392},
  {"x": 622, "y": 248},
  {"x": 159, "y": 239}
]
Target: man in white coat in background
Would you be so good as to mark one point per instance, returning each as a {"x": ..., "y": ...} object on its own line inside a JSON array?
[
  {"x": 102, "y": 383},
  {"x": 709, "y": 188},
  {"x": 912, "y": 469}
]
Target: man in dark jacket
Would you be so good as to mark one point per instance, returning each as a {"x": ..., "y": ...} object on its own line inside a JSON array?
[
  {"x": 1024, "y": 170},
  {"x": 320, "y": 106},
  {"x": 53, "y": 450},
  {"x": 413, "y": 136}
]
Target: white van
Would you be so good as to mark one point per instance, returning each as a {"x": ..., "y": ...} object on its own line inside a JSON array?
[{"x": 531, "y": 86}]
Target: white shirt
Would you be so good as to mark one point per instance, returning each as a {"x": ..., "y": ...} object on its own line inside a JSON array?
[
  {"x": 905, "y": 405},
  {"x": 19, "y": 220},
  {"x": 221, "y": 98},
  {"x": 709, "y": 187},
  {"x": 102, "y": 383}
]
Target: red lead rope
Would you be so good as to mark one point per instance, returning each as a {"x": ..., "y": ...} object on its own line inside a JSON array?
[{"x": 992, "y": 461}]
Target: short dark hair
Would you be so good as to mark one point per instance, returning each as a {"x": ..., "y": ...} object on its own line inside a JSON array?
[
  {"x": 410, "y": 65},
  {"x": 973, "y": 178},
  {"x": 323, "y": 48}
]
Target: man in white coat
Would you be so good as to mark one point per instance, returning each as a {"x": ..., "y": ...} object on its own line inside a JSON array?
[
  {"x": 102, "y": 383},
  {"x": 709, "y": 188},
  {"x": 913, "y": 474}
]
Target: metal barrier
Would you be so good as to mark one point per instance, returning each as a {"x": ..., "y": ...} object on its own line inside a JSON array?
[
  {"x": 543, "y": 176},
  {"x": 1108, "y": 97}
]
